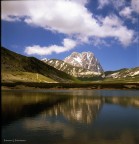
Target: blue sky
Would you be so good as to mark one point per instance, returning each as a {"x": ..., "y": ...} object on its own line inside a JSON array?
[{"x": 55, "y": 29}]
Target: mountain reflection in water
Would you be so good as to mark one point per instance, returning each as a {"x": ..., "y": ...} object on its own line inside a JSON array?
[
  {"x": 77, "y": 109},
  {"x": 67, "y": 115},
  {"x": 80, "y": 109}
]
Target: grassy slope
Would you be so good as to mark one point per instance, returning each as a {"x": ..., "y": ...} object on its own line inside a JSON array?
[
  {"x": 23, "y": 67},
  {"x": 18, "y": 68},
  {"x": 25, "y": 77}
]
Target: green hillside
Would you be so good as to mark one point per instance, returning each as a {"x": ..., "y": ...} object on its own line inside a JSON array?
[
  {"x": 16, "y": 67},
  {"x": 19, "y": 68}
]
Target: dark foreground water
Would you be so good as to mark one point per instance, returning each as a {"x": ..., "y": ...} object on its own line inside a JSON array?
[{"x": 70, "y": 117}]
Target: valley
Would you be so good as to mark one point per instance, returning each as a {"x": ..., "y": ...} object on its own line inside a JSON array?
[{"x": 21, "y": 72}]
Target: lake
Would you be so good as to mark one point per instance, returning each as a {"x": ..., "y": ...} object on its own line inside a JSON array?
[{"x": 70, "y": 117}]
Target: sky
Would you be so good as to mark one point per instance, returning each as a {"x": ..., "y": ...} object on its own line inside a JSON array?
[{"x": 56, "y": 28}]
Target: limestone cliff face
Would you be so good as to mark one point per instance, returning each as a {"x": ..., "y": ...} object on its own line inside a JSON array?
[
  {"x": 85, "y": 60},
  {"x": 78, "y": 64}
]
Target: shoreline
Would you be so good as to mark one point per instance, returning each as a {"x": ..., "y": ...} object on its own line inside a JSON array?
[{"x": 70, "y": 86}]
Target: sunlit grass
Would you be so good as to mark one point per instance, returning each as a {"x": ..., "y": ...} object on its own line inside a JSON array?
[{"x": 25, "y": 77}]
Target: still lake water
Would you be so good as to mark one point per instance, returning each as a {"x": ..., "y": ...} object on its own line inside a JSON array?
[{"x": 70, "y": 117}]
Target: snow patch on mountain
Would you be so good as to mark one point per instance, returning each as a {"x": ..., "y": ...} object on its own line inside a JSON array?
[
  {"x": 135, "y": 73},
  {"x": 85, "y": 60},
  {"x": 124, "y": 73}
]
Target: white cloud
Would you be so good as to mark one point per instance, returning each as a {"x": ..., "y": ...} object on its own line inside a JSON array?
[
  {"x": 68, "y": 17},
  {"x": 116, "y": 3},
  {"x": 13, "y": 10},
  {"x": 135, "y": 5},
  {"x": 126, "y": 12},
  {"x": 111, "y": 21},
  {"x": 68, "y": 44},
  {"x": 103, "y": 3},
  {"x": 125, "y": 35},
  {"x": 112, "y": 26},
  {"x": 100, "y": 42},
  {"x": 83, "y": 2}
]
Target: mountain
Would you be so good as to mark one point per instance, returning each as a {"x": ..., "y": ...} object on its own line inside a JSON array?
[
  {"x": 129, "y": 74},
  {"x": 19, "y": 68},
  {"x": 85, "y": 60},
  {"x": 70, "y": 69},
  {"x": 16, "y": 67}
]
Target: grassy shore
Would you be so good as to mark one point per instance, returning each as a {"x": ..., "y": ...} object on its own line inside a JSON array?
[{"x": 94, "y": 85}]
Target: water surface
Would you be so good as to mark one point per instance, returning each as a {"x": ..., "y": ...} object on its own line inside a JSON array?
[{"x": 70, "y": 117}]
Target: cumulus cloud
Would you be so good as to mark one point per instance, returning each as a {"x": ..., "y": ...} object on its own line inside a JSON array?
[
  {"x": 99, "y": 42},
  {"x": 68, "y": 44},
  {"x": 130, "y": 7},
  {"x": 103, "y": 3},
  {"x": 127, "y": 11},
  {"x": 84, "y": 2},
  {"x": 116, "y": 3},
  {"x": 135, "y": 5},
  {"x": 112, "y": 26},
  {"x": 70, "y": 17}
]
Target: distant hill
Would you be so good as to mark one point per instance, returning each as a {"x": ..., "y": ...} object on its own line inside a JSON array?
[
  {"x": 19, "y": 68},
  {"x": 125, "y": 74},
  {"x": 16, "y": 67}
]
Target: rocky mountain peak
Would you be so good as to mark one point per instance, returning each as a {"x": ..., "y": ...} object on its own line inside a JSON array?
[
  {"x": 75, "y": 53},
  {"x": 85, "y": 60}
]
